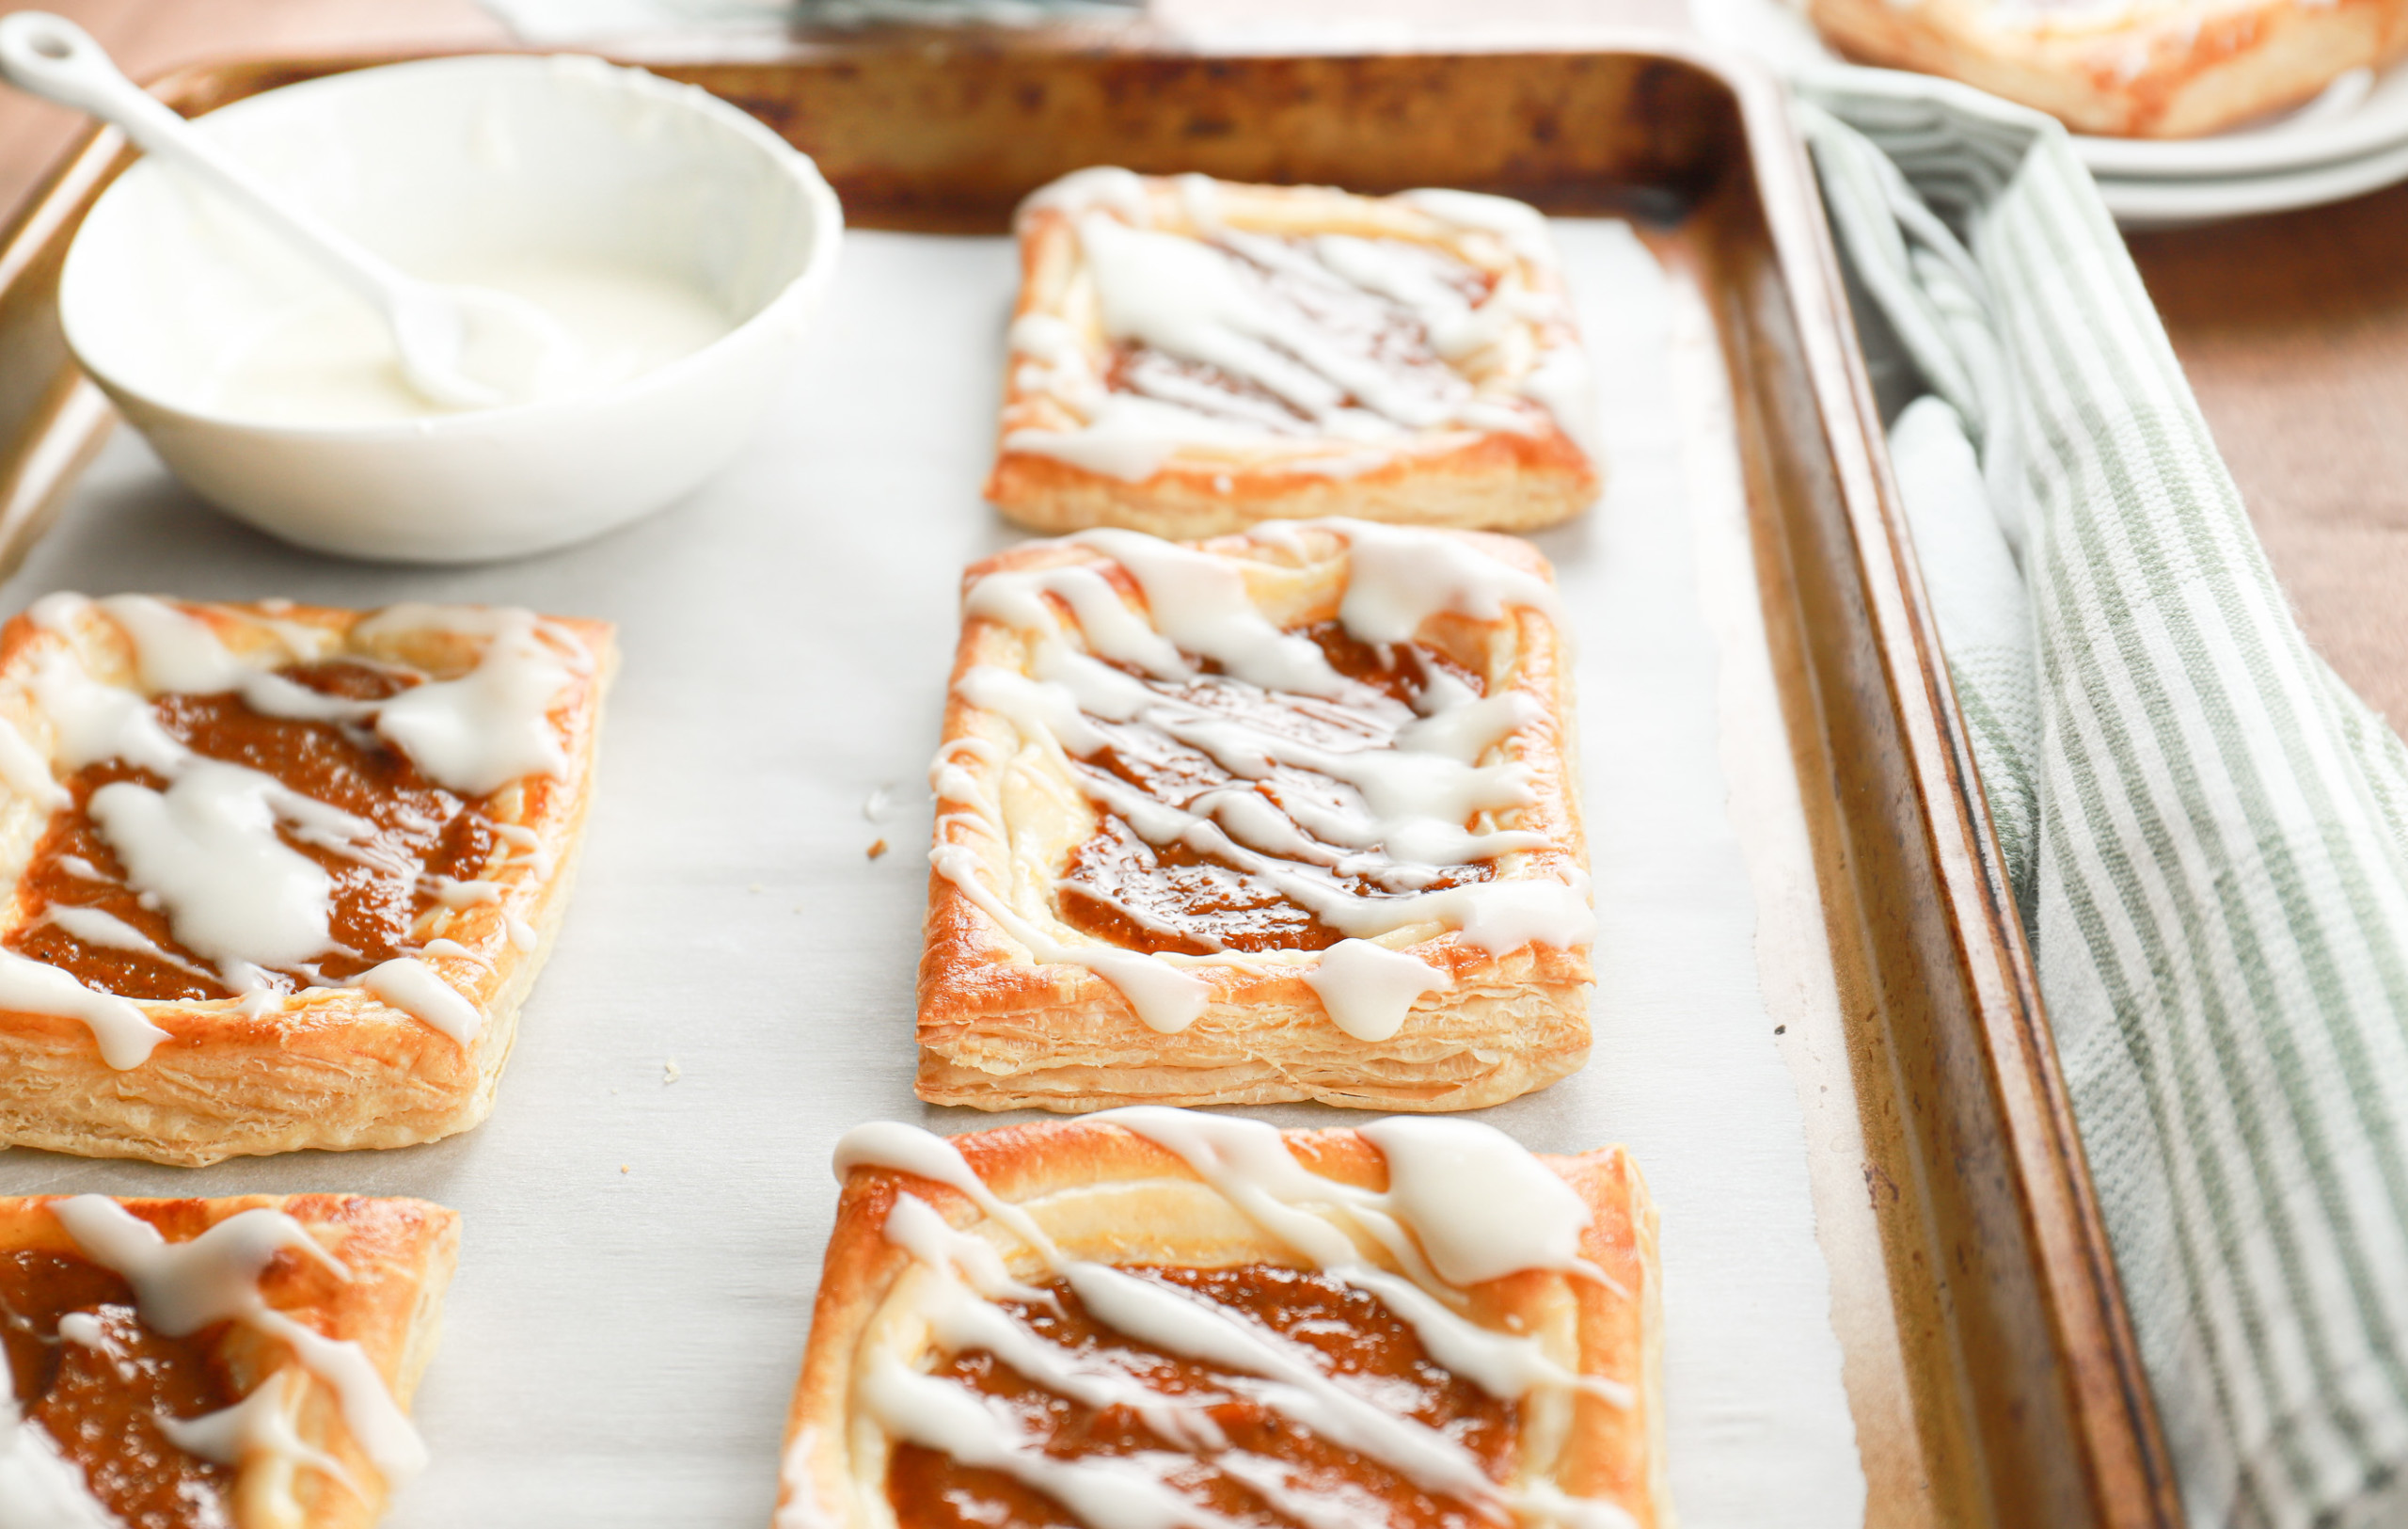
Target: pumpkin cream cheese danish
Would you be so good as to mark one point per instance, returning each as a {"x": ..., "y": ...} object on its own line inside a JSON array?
[
  {"x": 2147, "y": 69},
  {"x": 240, "y": 1363},
  {"x": 1190, "y": 355},
  {"x": 280, "y": 876},
  {"x": 1286, "y": 815},
  {"x": 1152, "y": 1317}
]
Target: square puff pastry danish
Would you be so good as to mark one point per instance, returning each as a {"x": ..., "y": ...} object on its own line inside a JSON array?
[
  {"x": 1190, "y": 355},
  {"x": 1157, "y": 1317},
  {"x": 2140, "y": 69},
  {"x": 280, "y": 876},
  {"x": 181, "y": 1364},
  {"x": 1286, "y": 815}
]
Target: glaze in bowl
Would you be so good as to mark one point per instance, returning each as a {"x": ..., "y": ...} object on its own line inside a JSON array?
[{"x": 438, "y": 165}]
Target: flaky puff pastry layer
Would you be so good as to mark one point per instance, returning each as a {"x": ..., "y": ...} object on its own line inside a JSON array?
[
  {"x": 335, "y": 1068},
  {"x": 399, "y": 1256},
  {"x": 1487, "y": 477},
  {"x": 999, "y": 1030},
  {"x": 2146, "y": 69},
  {"x": 1107, "y": 1195}
]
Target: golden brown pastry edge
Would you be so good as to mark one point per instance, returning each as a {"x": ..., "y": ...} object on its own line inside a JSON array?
[
  {"x": 990, "y": 1017},
  {"x": 337, "y": 1070},
  {"x": 401, "y": 1255},
  {"x": 1613, "y": 1449},
  {"x": 1493, "y": 480}
]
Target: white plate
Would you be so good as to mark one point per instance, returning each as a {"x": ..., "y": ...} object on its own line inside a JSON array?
[
  {"x": 2161, "y": 204},
  {"x": 2360, "y": 115}
]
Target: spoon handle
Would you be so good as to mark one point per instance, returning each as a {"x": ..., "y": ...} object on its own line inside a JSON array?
[{"x": 52, "y": 57}]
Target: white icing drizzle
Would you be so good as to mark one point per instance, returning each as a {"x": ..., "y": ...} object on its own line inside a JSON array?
[
  {"x": 528, "y": 845},
  {"x": 125, "y": 1037},
  {"x": 459, "y": 894},
  {"x": 98, "y": 926},
  {"x": 1414, "y": 797},
  {"x": 175, "y": 652},
  {"x": 1249, "y": 1163},
  {"x": 1521, "y": 225},
  {"x": 210, "y": 849},
  {"x": 1290, "y": 318},
  {"x": 260, "y": 1424},
  {"x": 180, "y": 1287},
  {"x": 1121, "y": 1492},
  {"x": 493, "y": 725},
  {"x": 1190, "y": 299},
  {"x": 83, "y": 1329},
  {"x": 1097, "y": 186},
  {"x": 413, "y": 987},
  {"x": 1369, "y": 989},
  {"x": 1401, "y": 576},
  {"x": 1129, "y": 436},
  {"x": 1198, "y": 604},
  {"x": 39, "y": 1488},
  {"x": 26, "y": 773},
  {"x": 1404, "y": 274},
  {"x": 961, "y": 1316},
  {"x": 1164, "y": 997},
  {"x": 472, "y": 735},
  {"x": 1481, "y": 1206},
  {"x": 1542, "y": 1502},
  {"x": 908, "y": 1149},
  {"x": 960, "y": 1274},
  {"x": 452, "y": 949},
  {"x": 207, "y": 847},
  {"x": 800, "y": 1509},
  {"x": 96, "y": 722}
]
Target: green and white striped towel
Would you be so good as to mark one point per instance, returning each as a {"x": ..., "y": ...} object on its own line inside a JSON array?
[{"x": 2206, "y": 831}]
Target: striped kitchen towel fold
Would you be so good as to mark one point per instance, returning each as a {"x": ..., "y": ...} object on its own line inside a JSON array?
[{"x": 2208, "y": 833}]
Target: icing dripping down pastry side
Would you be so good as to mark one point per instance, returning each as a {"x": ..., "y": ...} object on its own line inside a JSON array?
[
  {"x": 1462, "y": 1197},
  {"x": 1325, "y": 799},
  {"x": 1331, "y": 352},
  {"x": 254, "y": 886}
]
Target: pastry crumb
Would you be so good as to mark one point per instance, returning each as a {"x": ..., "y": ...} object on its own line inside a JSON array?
[
  {"x": 754, "y": 887},
  {"x": 622, "y": 1167},
  {"x": 875, "y": 806},
  {"x": 1780, "y": 1029},
  {"x": 877, "y": 849},
  {"x": 669, "y": 1072}
]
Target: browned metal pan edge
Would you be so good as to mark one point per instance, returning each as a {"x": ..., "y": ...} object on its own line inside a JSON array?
[
  {"x": 2059, "y": 1214},
  {"x": 2135, "y": 1479}
]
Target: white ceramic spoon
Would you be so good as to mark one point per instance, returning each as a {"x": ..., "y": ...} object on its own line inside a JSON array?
[{"x": 515, "y": 341}]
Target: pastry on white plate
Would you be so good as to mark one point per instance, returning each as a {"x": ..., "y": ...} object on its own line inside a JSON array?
[{"x": 2140, "y": 69}]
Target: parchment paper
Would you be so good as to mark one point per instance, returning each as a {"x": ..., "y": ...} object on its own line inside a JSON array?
[{"x": 645, "y": 1211}]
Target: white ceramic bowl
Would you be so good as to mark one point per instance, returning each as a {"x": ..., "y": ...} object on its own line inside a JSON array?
[{"x": 438, "y": 165}]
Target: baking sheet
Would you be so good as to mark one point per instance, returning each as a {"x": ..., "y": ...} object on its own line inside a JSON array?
[{"x": 644, "y": 1213}]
